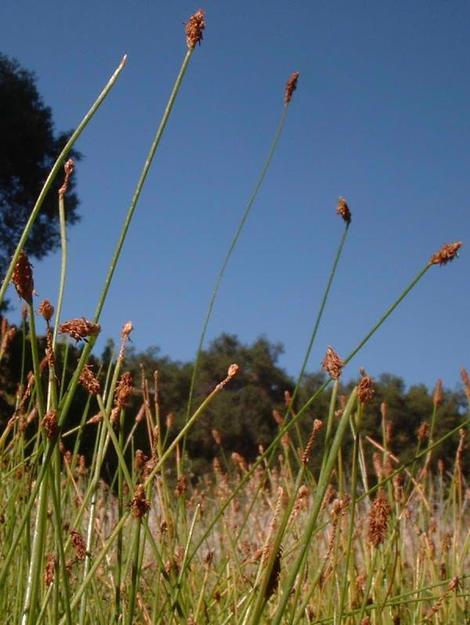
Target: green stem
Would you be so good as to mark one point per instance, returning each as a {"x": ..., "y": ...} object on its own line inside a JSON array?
[
  {"x": 63, "y": 267},
  {"x": 69, "y": 394},
  {"x": 230, "y": 250},
  {"x": 53, "y": 173}
]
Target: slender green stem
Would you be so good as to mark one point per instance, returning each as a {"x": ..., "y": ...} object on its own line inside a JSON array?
[
  {"x": 63, "y": 267},
  {"x": 53, "y": 173},
  {"x": 321, "y": 310},
  {"x": 318, "y": 500},
  {"x": 230, "y": 250},
  {"x": 69, "y": 394}
]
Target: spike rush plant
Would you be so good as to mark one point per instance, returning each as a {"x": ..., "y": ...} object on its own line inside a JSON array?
[{"x": 304, "y": 533}]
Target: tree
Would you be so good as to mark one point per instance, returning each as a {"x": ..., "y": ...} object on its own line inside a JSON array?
[{"x": 28, "y": 149}]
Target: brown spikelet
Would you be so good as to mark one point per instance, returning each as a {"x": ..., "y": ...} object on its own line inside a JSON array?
[
  {"x": 7, "y": 335},
  {"x": 423, "y": 431},
  {"x": 140, "y": 459},
  {"x": 317, "y": 426},
  {"x": 217, "y": 436},
  {"x": 82, "y": 468},
  {"x": 126, "y": 330},
  {"x": 181, "y": 485},
  {"x": 365, "y": 389},
  {"x": 49, "y": 572},
  {"x": 123, "y": 390},
  {"x": 438, "y": 394},
  {"x": 278, "y": 418},
  {"x": 68, "y": 168},
  {"x": 453, "y": 585},
  {"x": 22, "y": 278},
  {"x": 78, "y": 543},
  {"x": 49, "y": 423},
  {"x": 89, "y": 381},
  {"x": 291, "y": 86},
  {"x": 232, "y": 371},
  {"x": 239, "y": 460},
  {"x": 342, "y": 209},
  {"x": 194, "y": 29},
  {"x": 447, "y": 253},
  {"x": 378, "y": 520},
  {"x": 287, "y": 399},
  {"x": 46, "y": 310},
  {"x": 465, "y": 377},
  {"x": 139, "y": 504},
  {"x": 332, "y": 363},
  {"x": 79, "y": 329},
  {"x": 170, "y": 420}
]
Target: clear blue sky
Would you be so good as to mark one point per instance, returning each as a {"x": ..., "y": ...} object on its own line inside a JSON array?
[{"x": 381, "y": 116}]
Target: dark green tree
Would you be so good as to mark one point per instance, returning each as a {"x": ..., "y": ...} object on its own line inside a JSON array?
[{"x": 29, "y": 146}]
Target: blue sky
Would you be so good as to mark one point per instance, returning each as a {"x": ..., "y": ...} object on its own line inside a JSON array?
[{"x": 381, "y": 116}]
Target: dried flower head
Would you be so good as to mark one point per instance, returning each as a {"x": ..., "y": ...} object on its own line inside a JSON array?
[
  {"x": 365, "y": 389},
  {"x": 78, "y": 543},
  {"x": 317, "y": 426},
  {"x": 423, "y": 431},
  {"x": 22, "y": 278},
  {"x": 181, "y": 485},
  {"x": 49, "y": 572},
  {"x": 139, "y": 504},
  {"x": 465, "y": 381},
  {"x": 342, "y": 209},
  {"x": 79, "y": 329},
  {"x": 194, "y": 29},
  {"x": 438, "y": 394},
  {"x": 232, "y": 371},
  {"x": 126, "y": 329},
  {"x": 140, "y": 459},
  {"x": 123, "y": 390},
  {"x": 89, "y": 381},
  {"x": 46, "y": 310},
  {"x": 68, "y": 168},
  {"x": 291, "y": 86},
  {"x": 378, "y": 520},
  {"x": 332, "y": 363},
  {"x": 447, "y": 253},
  {"x": 49, "y": 423},
  {"x": 217, "y": 436}
]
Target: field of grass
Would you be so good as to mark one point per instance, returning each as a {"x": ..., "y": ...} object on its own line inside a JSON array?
[{"x": 268, "y": 542}]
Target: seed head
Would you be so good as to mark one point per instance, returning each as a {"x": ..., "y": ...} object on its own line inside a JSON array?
[
  {"x": 139, "y": 504},
  {"x": 49, "y": 423},
  {"x": 46, "y": 309},
  {"x": 89, "y": 381},
  {"x": 78, "y": 543},
  {"x": 123, "y": 390},
  {"x": 332, "y": 363},
  {"x": 79, "y": 329},
  {"x": 291, "y": 86},
  {"x": 22, "y": 278},
  {"x": 365, "y": 389},
  {"x": 68, "y": 168},
  {"x": 342, "y": 209},
  {"x": 378, "y": 520},
  {"x": 438, "y": 394},
  {"x": 447, "y": 253},
  {"x": 194, "y": 29}
]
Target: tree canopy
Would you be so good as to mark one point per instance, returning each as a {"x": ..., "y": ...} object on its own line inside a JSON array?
[{"x": 29, "y": 146}]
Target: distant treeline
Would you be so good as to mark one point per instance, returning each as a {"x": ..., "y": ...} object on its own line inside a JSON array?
[{"x": 247, "y": 414}]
